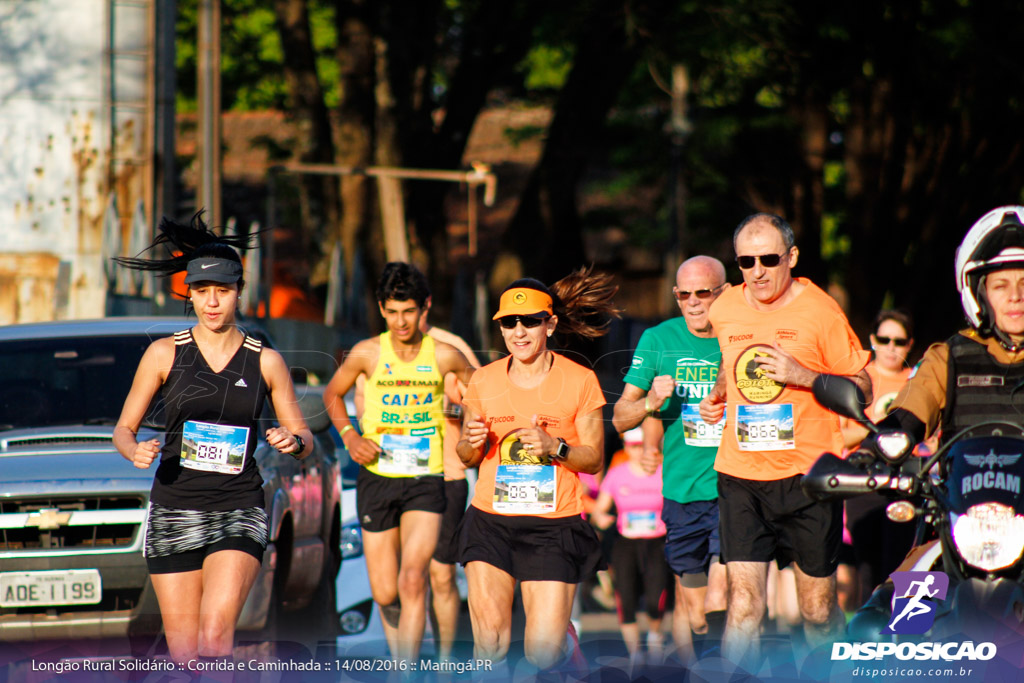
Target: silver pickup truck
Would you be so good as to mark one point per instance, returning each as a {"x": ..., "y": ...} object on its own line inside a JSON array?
[{"x": 73, "y": 511}]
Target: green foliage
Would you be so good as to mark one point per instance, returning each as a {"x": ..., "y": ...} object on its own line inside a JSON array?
[
  {"x": 252, "y": 64},
  {"x": 252, "y": 69},
  {"x": 834, "y": 244},
  {"x": 907, "y": 98},
  {"x": 325, "y": 39},
  {"x": 546, "y": 67}
]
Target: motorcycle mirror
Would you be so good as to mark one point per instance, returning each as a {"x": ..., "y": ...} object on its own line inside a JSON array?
[
  {"x": 842, "y": 395},
  {"x": 832, "y": 478}
]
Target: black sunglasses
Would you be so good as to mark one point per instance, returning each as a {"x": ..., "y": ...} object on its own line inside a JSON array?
[
  {"x": 683, "y": 295},
  {"x": 509, "y": 322},
  {"x": 898, "y": 341},
  {"x": 767, "y": 260}
]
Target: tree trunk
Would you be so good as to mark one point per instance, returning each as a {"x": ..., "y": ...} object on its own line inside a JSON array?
[
  {"x": 495, "y": 39},
  {"x": 545, "y": 236},
  {"x": 355, "y": 148},
  {"x": 319, "y": 194}
]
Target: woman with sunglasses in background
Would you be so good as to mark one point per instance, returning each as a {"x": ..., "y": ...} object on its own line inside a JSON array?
[
  {"x": 533, "y": 422},
  {"x": 873, "y": 545}
]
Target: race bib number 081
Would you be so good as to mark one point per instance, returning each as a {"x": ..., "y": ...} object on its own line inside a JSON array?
[{"x": 213, "y": 448}]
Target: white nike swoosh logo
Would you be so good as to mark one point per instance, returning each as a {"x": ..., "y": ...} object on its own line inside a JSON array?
[{"x": 207, "y": 265}]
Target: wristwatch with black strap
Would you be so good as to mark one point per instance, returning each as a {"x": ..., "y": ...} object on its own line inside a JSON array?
[{"x": 562, "y": 452}]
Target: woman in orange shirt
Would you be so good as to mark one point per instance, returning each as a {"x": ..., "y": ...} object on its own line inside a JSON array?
[{"x": 533, "y": 422}]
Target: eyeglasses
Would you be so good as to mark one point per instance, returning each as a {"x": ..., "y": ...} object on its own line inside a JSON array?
[
  {"x": 683, "y": 295},
  {"x": 898, "y": 341},
  {"x": 509, "y": 322},
  {"x": 767, "y": 260}
]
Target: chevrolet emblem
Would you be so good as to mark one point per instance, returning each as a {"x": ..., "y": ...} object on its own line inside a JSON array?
[{"x": 48, "y": 518}]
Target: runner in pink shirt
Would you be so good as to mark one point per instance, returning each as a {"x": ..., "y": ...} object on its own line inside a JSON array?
[{"x": 638, "y": 555}]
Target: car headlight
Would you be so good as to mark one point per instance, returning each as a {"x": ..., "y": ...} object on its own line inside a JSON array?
[
  {"x": 351, "y": 542},
  {"x": 989, "y": 536}
]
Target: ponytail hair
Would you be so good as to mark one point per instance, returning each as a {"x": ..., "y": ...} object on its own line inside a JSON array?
[
  {"x": 184, "y": 242},
  {"x": 582, "y": 300}
]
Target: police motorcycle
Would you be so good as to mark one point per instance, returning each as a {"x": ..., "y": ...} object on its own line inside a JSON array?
[{"x": 968, "y": 494}]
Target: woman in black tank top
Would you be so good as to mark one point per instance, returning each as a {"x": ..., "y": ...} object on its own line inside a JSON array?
[{"x": 206, "y": 529}]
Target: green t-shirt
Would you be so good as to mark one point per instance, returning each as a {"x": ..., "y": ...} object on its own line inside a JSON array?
[{"x": 690, "y": 444}]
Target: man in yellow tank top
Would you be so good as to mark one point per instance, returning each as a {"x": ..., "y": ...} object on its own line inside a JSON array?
[{"x": 400, "y": 489}]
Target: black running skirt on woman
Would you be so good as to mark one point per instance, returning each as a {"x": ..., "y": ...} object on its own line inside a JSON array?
[
  {"x": 531, "y": 548},
  {"x": 179, "y": 540}
]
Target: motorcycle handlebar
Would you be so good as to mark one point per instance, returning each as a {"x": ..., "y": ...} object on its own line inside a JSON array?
[{"x": 832, "y": 478}]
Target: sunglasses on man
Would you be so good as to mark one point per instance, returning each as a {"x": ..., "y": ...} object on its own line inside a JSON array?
[
  {"x": 767, "y": 260},
  {"x": 683, "y": 295},
  {"x": 509, "y": 322}
]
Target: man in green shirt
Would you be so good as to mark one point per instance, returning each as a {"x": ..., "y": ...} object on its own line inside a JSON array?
[{"x": 674, "y": 367}]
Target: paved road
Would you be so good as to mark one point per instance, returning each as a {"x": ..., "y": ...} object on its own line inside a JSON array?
[{"x": 601, "y": 646}]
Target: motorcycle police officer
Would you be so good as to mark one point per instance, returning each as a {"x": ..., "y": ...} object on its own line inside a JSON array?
[
  {"x": 977, "y": 374},
  {"x": 974, "y": 377}
]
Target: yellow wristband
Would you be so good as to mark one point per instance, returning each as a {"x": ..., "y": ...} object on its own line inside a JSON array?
[
  {"x": 345, "y": 429},
  {"x": 647, "y": 405}
]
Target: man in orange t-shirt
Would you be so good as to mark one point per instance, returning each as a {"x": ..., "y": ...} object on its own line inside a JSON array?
[{"x": 777, "y": 333}]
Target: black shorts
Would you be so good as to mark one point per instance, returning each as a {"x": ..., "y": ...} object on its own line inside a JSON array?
[
  {"x": 380, "y": 501},
  {"x": 531, "y": 548},
  {"x": 456, "y": 491},
  {"x": 691, "y": 539},
  {"x": 765, "y": 520},
  {"x": 179, "y": 540},
  {"x": 639, "y": 568}
]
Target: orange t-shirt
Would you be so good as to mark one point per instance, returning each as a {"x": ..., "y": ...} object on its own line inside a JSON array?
[
  {"x": 774, "y": 431},
  {"x": 511, "y": 480},
  {"x": 884, "y": 388}
]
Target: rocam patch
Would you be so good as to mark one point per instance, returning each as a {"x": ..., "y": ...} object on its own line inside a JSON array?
[{"x": 751, "y": 379}]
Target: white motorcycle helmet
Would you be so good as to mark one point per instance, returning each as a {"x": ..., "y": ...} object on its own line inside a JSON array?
[{"x": 994, "y": 242}]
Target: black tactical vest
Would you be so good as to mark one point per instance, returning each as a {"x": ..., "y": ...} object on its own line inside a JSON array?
[{"x": 979, "y": 388}]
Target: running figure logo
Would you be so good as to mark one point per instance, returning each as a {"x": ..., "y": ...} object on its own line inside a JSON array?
[{"x": 914, "y": 601}]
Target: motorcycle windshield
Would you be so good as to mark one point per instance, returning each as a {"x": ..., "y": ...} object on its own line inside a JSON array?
[{"x": 987, "y": 469}]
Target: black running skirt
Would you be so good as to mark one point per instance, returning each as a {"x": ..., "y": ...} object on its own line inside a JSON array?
[{"x": 175, "y": 532}]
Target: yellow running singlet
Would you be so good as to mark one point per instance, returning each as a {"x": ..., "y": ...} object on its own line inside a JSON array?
[{"x": 403, "y": 412}]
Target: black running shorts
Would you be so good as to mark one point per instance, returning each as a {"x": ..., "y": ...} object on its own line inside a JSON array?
[
  {"x": 766, "y": 520},
  {"x": 531, "y": 548},
  {"x": 380, "y": 501},
  {"x": 456, "y": 491}
]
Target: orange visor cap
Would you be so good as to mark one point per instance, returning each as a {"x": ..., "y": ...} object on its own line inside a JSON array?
[{"x": 523, "y": 301}]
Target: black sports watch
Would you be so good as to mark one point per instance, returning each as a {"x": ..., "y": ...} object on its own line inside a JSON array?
[
  {"x": 562, "y": 452},
  {"x": 301, "y": 444}
]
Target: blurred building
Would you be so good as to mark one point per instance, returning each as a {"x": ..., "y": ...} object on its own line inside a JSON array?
[{"x": 86, "y": 128}]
